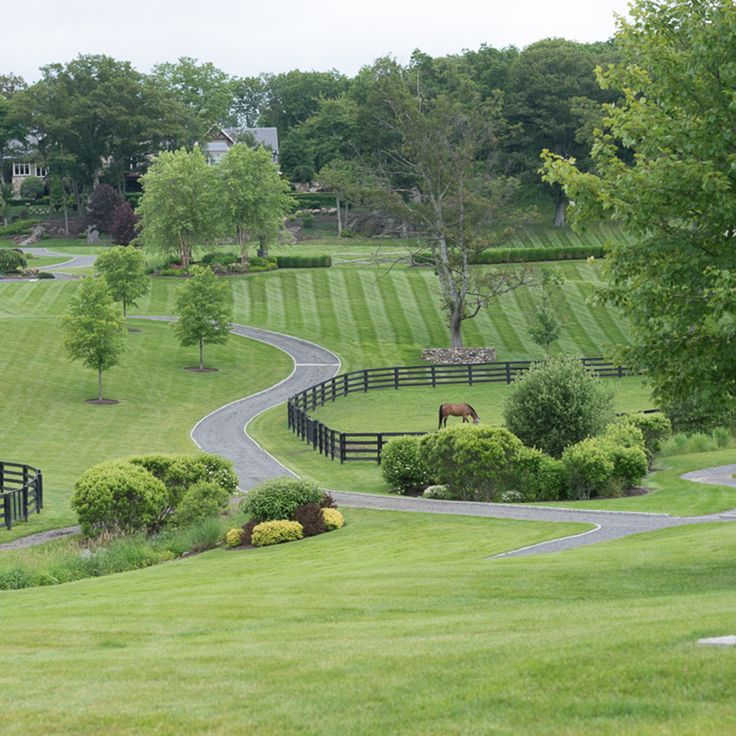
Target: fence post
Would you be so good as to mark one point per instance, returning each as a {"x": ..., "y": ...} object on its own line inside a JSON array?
[
  {"x": 39, "y": 491},
  {"x": 332, "y": 444},
  {"x": 365, "y": 381},
  {"x": 342, "y": 447},
  {"x": 396, "y": 377},
  {"x": 2, "y": 477},
  {"x": 508, "y": 372},
  {"x": 434, "y": 376},
  {"x": 379, "y": 447},
  {"x": 470, "y": 374},
  {"x": 8, "y": 511},
  {"x": 334, "y": 388},
  {"x": 620, "y": 371},
  {"x": 345, "y": 383}
]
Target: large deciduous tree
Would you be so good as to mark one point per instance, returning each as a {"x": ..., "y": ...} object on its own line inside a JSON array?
[
  {"x": 204, "y": 311},
  {"x": 124, "y": 269},
  {"x": 93, "y": 330},
  {"x": 664, "y": 166},
  {"x": 255, "y": 198},
  {"x": 180, "y": 206}
]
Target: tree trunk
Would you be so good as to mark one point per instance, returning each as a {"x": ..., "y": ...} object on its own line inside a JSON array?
[
  {"x": 339, "y": 215},
  {"x": 243, "y": 242},
  {"x": 125, "y": 311},
  {"x": 66, "y": 214},
  {"x": 456, "y": 323},
  {"x": 99, "y": 384},
  {"x": 201, "y": 353},
  {"x": 560, "y": 213}
]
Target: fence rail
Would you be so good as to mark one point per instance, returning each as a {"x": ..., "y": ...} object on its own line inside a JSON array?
[
  {"x": 21, "y": 492},
  {"x": 351, "y": 446}
]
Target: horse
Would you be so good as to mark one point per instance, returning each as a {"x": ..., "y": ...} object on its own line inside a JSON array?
[{"x": 457, "y": 410}]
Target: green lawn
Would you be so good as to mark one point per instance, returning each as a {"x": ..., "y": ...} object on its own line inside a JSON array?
[
  {"x": 45, "y": 422},
  {"x": 415, "y": 409},
  {"x": 397, "y": 624}
]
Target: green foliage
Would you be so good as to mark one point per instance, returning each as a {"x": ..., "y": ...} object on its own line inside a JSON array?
[
  {"x": 548, "y": 253},
  {"x": 19, "y": 227},
  {"x": 314, "y": 200},
  {"x": 124, "y": 270},
  {"x": 43, "y": 275},
  {"x": 333, "y": 519},
  {"x": 275, "y": 532},
  {"x": 203, "y": 310},
  {"x": 538, "y": 476},
  {"x": 663, "y": 167},
  {"x": 304, "y": 261},
  {"x": 180, "y": 206},
  {"x": 588, "y": 469},
  {"x": 557, "y": 403},
  {"x": 655, "y": 428},
  {"x": 279, "y": 498},
  {"x": 11, "y": 261},
  {"x": 401, "y": 466},
  {"x": 32, "y": 187},
  {"x": 476, "y": 463},
  {"x": 546, "y": 325},
  {"x": 200, "y": 501},
  {"x": 93, "y": 331},
  {"x": 117, "y": 496},
  {"x": 439, "y": 492},
  {"x": 234, "y": 537}
]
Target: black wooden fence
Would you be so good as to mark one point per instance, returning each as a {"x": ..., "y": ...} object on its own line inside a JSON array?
[
  {"x": 348, "y": 446},
  {"x": 21, "y": 492}
]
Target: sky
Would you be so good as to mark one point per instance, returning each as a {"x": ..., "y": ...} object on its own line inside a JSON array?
[{"x": 246, "y": 38}]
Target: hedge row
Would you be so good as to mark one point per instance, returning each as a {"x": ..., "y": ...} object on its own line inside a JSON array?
[
  {"x": 314, "y": 200},
  {"x": 304, "y": 261},
  {"x": 525, "y": 255}
]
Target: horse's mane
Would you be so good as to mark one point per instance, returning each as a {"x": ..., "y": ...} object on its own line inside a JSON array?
[{"x": 475, "y": 414}]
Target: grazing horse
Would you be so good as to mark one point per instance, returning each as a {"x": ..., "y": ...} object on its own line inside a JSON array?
[{"x": 457, "y": 410}]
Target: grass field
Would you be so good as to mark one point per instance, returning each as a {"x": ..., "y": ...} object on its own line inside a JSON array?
[
  {"x": 396, "y": 624},
  {"x": 45, "y": 422}
]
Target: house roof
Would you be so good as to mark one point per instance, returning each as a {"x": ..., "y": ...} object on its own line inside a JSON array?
[{"x": 268, "y": 137}]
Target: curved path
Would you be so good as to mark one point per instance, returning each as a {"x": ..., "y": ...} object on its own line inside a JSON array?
[
  {"x": 225, "y": 432},
  {"x": 73, "y": 262}
]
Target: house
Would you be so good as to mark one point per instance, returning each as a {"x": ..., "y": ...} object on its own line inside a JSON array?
[
  {"x": 223, "y": 139},
  {"x": 19, "y": 152}
]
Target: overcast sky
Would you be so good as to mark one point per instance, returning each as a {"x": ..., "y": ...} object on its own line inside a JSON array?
[{"x": 246, "y": 38}]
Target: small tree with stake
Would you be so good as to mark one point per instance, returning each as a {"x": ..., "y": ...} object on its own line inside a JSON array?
[
  {"x": 204, "y": 312},
  {"x": 93, "y": 331},
  {"x": 124, "y": 270}
]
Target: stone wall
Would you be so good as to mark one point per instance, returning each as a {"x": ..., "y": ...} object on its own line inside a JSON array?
[{"x": 458, "y": 356}]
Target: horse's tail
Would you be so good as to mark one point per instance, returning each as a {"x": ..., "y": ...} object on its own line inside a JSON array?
[
  {"x": 439, "y": 426},
  {"x": 472, "y": 411}
]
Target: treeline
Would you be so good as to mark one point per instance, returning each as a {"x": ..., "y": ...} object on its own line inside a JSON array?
[{"x": 96, "y": 118}]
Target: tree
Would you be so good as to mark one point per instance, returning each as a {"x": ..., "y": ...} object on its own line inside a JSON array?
[
  {"x": 204, "y": 311},
  {"x": 344, "y": 179},
  {"x": 256, "y": 198},
  {"x": 546, "y": 326},
  {"x": 124, "y": 270},
  {"x": 180, "y": 206},
  {"x": 93, "y": 332},
  {"x": 664, "y": 168},
  {"x": 124, "y": 224},
  {"x": 101, "y": 206},
  {"x": 441, "y": 178}
]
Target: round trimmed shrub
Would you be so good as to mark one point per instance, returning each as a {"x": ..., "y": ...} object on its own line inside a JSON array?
[
  {"x": 200, "y": 501},
  {"x": 32, "y": 187},
  {"x": 476, "y": 463},
  {"x": 539, "y": 477},
  {"x": 118, "y": 497},
  {"x": 275, "y": 532},
  {"x": 333, "y": 519},
  {"x": 556, "y": 404},
  {"x": 401, "y": 466},
  {"x": 588, "y": 469},
  {"x": 309, "y": 515},
  {"x": 279, "y": 498},
  {"x": 234, "y": 537}
]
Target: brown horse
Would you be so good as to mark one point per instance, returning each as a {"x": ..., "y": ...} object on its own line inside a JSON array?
[{"x": 457, "y": 410}]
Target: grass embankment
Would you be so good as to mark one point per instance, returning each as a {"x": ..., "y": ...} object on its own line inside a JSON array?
[
  {"x": 45, "y": 422},
  {"x": 421, "y": 632}
]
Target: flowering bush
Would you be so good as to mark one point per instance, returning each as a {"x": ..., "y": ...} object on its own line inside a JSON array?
[{"x": 333, "y": 519}]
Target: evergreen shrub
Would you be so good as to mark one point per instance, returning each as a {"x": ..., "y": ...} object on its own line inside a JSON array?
[
  {"x": 279, "y": 498},
  {"x": 275, "y": 532},
  {"x": 402, "y": 467}
]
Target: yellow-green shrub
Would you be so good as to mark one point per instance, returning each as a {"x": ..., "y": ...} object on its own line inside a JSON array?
[
  {"x": 333, "y": 519},
  {"x": 275, "y": 532},
  {"x": 234, "y": 537}
]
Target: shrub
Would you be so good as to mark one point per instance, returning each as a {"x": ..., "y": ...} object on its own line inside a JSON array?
[
  {"x": 557, "y": 403},
  {"x": 304, "y": 261},
  {"x": 439, "y": 492},
  {"x": 275, "y": 532},
  {"x": 234, "y": 537},
  {"x": 333, "y": 519},
  {"x": 118, "y": 497},
  {"x": 588, "y": 469},
  {"x": 46, "y": 275},
  {"x": 19, "y": 227},
  {"x": 11, "y": 261},
  {"x": 401, "y": 467},
  {"x": 309, "y": 515},
  {"x": 525, "y": 255},
  {"x": 327, "y": 502},
  {"x": 102, "y": 204},
  {"x": 32, "y": 187},
  {"x": 123, "y": 227},
  {"x": 629, "y": 466},
  {"x": 476, "y": 463},
  {"x": 655, "y": 428},
  {"x": 201, "y": 500},
  {"x": 258, "y": 263},
  {"x": 538, "y": 476},
  {"x": 223, "y": 259},
  {"x": 279, "y": 498}
]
